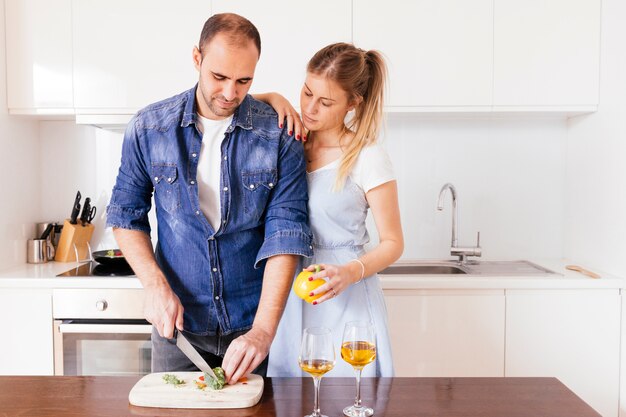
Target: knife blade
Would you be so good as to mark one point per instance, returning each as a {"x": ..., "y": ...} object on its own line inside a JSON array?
[
  {"x": 75, "y": 208},
  {"x": 193, "y": 355}
]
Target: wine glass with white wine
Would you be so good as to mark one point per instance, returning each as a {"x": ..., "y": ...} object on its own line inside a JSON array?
[
  {"x": 358, "y": 348},
  {"x": 317, "y": 356}
]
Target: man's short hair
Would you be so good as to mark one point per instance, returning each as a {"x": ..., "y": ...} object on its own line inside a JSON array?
[{"x": 238, "y": 29}]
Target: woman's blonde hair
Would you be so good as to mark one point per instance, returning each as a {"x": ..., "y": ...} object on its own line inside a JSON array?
[{"x": 362, "y": 75}]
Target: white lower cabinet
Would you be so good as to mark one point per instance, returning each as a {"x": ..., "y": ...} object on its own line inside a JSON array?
[
  {"x": 622, "y": 396},
  {"x": 573, "y": 335},
  {"x": 27, "y": 345},
  {"x": 448, "y": 333}
]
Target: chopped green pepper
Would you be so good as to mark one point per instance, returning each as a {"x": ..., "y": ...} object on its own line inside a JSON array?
[
  {"x": 215, "y": 384},
  {"x": 172, "y": 379}
]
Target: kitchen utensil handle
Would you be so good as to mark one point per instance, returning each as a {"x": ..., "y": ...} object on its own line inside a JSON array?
[
  {"x": 105, "y": 328},
  {"x": 589, "y": 273},
  {"x": 46, "y": 232},
  {"x": 92, "y": 214},
  {"x": 582, "y": 271}
]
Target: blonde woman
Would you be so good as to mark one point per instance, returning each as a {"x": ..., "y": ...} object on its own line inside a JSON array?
[{"x": 347, "y": 173}]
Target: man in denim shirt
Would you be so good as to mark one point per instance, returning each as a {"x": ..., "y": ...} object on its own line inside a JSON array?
[{"x": 230, "y": 193}]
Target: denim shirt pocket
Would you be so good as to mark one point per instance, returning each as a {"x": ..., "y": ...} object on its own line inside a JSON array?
[
  {"x": 166, "y": 187},
  {"x": 257, "y": 186}
]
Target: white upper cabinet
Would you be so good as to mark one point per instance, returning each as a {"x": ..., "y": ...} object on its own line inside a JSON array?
[
  {"x": 109, "y": 58},
  {"x": 291, "y": 33},
  {"x": 496, "y": 55},
  {"x": 439, "y": 52},
  {"x": 128, "y": 54},
  {"x": 39, "y": 56},
  {"x": 546, "y": 53}
]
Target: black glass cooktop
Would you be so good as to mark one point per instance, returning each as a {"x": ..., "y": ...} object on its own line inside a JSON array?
[{"x": 94, "y": 269}]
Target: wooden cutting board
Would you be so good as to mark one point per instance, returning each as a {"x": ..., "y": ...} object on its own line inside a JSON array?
[{"x": 152, "y": 391}]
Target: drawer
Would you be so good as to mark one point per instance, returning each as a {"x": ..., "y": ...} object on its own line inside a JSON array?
[{"x": 97, "y": 303}]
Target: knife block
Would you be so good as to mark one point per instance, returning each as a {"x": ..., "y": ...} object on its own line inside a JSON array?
[{"x": 74, "y": 242}]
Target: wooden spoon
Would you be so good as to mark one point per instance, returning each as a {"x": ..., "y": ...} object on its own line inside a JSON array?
[{"x": 582, "y": 271}]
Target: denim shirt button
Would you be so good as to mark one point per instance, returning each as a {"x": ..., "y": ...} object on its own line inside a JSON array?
[
  {"x": 214, "y": 269},
  {"x": 225, "y": 188},
  {"x": 194, "y": 154},
  {"x": 251, "y": 186},
  {"x": 225, "y": 158},
  {"x": 192, "y": 182},
  {"x": 217, "y": 297},
  {"x": 197, "y": 211},
  {"x": 271, "y": 184}
]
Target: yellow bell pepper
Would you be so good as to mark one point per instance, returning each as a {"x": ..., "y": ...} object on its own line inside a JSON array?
[{"x": 303, "y": 287}]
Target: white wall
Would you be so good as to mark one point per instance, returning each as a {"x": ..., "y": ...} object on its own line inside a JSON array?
[
  {"x": 20, "y": 199},
  {"x": 85, "y": 159},
  {"x": 81, "y": 158},
  {"x": 595, "y": 216},
  {"x": 509, "y": 175}
]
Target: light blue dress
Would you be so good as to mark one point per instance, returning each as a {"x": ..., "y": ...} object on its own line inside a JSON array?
[{"x": 339, "y": 234}]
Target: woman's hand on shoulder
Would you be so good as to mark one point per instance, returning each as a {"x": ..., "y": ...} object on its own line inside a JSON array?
[
  {"x": 286, "y": 113},
  {"x": 338, "y": 278}
]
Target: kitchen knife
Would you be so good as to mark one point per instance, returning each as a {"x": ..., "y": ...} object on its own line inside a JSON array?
[
  {"x": 75, "y": 209},
  {"x": 193, "y": 355}
]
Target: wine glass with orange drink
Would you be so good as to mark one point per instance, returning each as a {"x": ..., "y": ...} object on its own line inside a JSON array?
[
  {"x": 317, "y": 356},
  {"x": 358, "y": 348}
]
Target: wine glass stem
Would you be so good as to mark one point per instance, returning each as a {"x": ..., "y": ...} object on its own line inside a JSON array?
[
  {"x": 316, "y": 402},
  {"x": 357, "y": 400}
]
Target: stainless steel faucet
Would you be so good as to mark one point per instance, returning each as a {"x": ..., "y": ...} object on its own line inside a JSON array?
[{"x": 455, "y": 250}]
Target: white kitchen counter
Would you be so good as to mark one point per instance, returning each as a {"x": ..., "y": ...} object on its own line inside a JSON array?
[
  {"x": 45, "y": 276},
  {"x": 563, "y": 279}
]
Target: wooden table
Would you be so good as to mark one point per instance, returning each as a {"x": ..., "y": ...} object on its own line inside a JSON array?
[{"x": 293, "y": 397}]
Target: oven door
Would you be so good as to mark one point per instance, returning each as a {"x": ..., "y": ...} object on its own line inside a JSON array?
[{"x": 102, "y": 347}]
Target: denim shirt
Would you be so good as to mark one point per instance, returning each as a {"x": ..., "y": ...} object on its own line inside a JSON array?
[{"x": 215, "y": 273}]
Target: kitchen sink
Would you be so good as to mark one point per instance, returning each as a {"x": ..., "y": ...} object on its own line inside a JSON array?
[
  {"x": 414, "y": 269},
  {"x": 470, "y": 268}
]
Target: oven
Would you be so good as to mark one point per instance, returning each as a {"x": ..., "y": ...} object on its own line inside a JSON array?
[{"x": 100, "y": 332}]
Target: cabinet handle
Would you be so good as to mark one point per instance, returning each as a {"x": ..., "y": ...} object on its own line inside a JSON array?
[{"x": 101, "y": 305}]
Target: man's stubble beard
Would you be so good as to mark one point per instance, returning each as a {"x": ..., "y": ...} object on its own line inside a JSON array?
[
  {"x": 215, "y": 109},
  {"x": 219, "y": 111}
]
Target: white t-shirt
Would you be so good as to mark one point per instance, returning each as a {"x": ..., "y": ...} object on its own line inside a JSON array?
[
  {"x": 372, "y": 168},
  {"x": 209, "y": 164}
]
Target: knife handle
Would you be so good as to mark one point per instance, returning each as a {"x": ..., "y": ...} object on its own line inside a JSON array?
[{"x": 75, "y": 208}]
